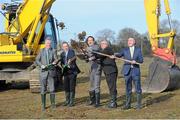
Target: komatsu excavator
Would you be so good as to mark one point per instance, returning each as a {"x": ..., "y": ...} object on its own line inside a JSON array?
[
  {"x": 29, "y": 22},
  {"x": 26, "y": 25}
]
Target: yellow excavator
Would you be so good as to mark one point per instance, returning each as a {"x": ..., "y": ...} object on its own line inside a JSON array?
[
  {"x": 28, "y": 22},
  {"x": 26, "y": 25}
]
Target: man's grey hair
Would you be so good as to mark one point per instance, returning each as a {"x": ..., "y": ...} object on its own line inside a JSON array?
[
  {"x": 108, "y": 43},
  {"x": 48, "y": 38}
]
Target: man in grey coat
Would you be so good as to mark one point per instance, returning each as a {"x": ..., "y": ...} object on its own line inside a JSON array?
[
  {"x": 46, "y": 60},
  {"x": 95, "y": 72}
]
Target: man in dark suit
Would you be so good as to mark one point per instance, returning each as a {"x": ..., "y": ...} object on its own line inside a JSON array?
[
  {"x": 131, "y": 71},
  {"x": 110, "y": 70},
  {"x": 44, "y": 60},
  {"x": 68, "y": 60}
]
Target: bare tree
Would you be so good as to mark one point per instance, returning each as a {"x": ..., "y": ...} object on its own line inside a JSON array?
[
  {"x": 165, "y": 27},
  {"x": 106, "y": 34},
  {"x": 126, "y": 33}
]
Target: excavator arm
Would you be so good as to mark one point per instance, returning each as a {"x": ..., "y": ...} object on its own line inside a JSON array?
[
  {"x": 25, "y": 30},
  {"x": 163, "y": 74},
  {"x": 31, "y": 18},
  {"x": 153, "y": 12}
]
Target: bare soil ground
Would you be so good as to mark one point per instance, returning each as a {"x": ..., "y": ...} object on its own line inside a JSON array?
[{"x": 20, "y": 103}]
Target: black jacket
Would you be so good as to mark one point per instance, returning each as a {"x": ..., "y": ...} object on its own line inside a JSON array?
[
  {"x": 108, "y": 65},
  {"x": 73, "y": 66}
]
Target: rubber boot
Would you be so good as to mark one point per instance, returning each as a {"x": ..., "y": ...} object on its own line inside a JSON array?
[
  {"x": 138, "y": 106},
  {"x": 43, "y": 100},
  {"x": 97, "y": 99},
  {"x": 128, "y": 103},
  {"x": 52, "y": 99},
  {"x": 67, "y": 94},
  {"x": 71, "y": 100},
  {"x": 113, "y": 103},
  {"x": 91, "y": 98}
]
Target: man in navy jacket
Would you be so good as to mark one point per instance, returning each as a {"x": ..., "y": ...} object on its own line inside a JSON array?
[
  {"x": 70, "y": 75},
  {"x": 131, "y": 71}
]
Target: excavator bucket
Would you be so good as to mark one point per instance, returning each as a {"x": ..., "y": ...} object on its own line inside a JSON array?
[{"x": 161, "y": 77}]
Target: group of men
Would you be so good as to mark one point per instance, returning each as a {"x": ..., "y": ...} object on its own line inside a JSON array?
[{"x": 104, "y": 62}]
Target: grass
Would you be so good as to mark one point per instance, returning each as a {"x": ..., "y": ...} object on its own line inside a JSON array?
[{"x": 23, "y": 104}]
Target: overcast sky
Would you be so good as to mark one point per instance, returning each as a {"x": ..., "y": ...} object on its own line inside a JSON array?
[{"x": 95, "y": 15}]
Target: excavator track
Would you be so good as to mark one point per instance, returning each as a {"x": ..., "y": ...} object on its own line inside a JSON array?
[
  {"x": 35, "y": 85},
  {"x": 34, "y": 81}
]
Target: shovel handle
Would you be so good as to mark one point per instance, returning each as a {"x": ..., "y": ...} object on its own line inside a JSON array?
[{"x": 122, "y": 59}]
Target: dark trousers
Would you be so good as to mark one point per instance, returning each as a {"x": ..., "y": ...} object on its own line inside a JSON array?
[
  {"x": 128, "y": 82},
  {"x": 70, "y": 82},
  {"x": 111, "y": 80}
]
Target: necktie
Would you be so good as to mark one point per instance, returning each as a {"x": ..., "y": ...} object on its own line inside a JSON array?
[
  {"x": 131, "y": 51},
  {"x": 47, "y": 56},
  {"x": 66, "y": 58}
]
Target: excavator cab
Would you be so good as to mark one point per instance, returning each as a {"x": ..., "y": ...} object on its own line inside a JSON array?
[{"x": 50, "y": 30}]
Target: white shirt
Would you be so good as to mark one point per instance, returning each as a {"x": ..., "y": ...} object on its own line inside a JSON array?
[
  {"x": 131, "y": 51},
  {"x": 66, "y": 54}
]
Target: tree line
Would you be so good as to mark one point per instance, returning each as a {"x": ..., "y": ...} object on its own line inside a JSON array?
[{"x": 142, "y": 40}]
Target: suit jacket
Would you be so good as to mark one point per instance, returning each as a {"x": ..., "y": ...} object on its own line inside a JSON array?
[
  {"x": 108, "y": 65},
  {"x": 73, "y": 66},
  {"x": 137, "y": 56},
  {"x": 41, "y": 59},
  {"x": 94, "y": 62}
]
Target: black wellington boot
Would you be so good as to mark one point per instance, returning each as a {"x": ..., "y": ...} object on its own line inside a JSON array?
[
  {"x": 113, "y": 103},
  {"x": 43, "y": 100},
  {"x": 71, "y": 100},
  {"x": 52, "y": 99},
  {"x": 91, "y": 100},
  {"x": 67, "y": 94},
  {"x": 138, "y": 106},
  {"x": 128, "y": 103},
  {"x": 97, "y": 99}
]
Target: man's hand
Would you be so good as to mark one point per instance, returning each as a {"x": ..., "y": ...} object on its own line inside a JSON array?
[
  {"x": 54, "y": 63},
  {"x": 133, "y": 62},
  {"x": 43, "y": 66},
  {"x": 91, "y": 58},
  {"x": 112, "y": 56},
  {"x": 69, "y": 61}
]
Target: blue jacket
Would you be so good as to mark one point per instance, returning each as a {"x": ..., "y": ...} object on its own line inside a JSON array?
[{"x": 137, "y": 56}]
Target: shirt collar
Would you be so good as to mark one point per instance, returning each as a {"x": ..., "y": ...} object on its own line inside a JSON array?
[
  {"x": 131, "y": 47},
  {"x": 66, "y": 52}
]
